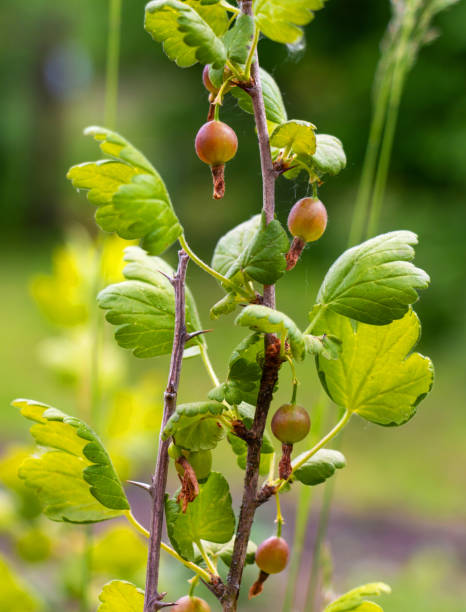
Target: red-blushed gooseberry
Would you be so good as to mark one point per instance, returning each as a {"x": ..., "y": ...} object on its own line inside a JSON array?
[
  {"x": 272, "y": 555},
  {"x": 291, "y": 423}
]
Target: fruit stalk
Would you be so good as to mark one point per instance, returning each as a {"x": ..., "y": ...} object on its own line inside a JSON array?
[{"x": 153, "y": 599}]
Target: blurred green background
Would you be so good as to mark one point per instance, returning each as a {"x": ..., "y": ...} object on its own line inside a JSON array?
[{"x": 399, "y": 508}]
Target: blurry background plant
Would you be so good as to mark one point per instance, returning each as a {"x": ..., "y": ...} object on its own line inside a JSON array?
[{"x": 53, "y": 59}]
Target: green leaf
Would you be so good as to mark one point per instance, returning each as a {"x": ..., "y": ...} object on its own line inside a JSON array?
[
  {"x": 212, "y": 13},
  {"x": 270, "y": 321},
  {"x": 295, "y": 135},
  {"x": 209, "y": 517},
  {"x": 231, "y": 246},
  {"x": 143, "y": 306},
  {"x": 240, "y": 447},
  {"x": 377, "y": 376},
  {"x": 196, "y": 426},
  {"x": 244, "y": 373},
  {"x": 225, "y": 552},
  {"x": 186, "y": 37},
  {"x": 329, "y": 159},
  {"x": 280, "y": 20},
  {"x": 374, "y": 282},
  {"x": 319, "y": 467},
  {"x": 121, "y": 596},
  {"x": 74, "y": 478},
  {"x": 131, "y": 196},
  {"x": 264, "y": 258},
  {"x": 327, "y": 346},
  {"x": 354, "y": 599},
  {"x": 226, "y": 305},
  {"x": 238, "y": 40},
  {"x": 274, "y": 107},
  {"x": 14, "y": 594}
]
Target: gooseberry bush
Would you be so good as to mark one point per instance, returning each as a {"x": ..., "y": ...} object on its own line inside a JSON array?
[{"x": 361, "y": 330}]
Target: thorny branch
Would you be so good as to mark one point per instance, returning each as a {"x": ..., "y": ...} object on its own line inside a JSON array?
[
  {"x": 153, "y": 599},
  {"x": 272, "y": 360}
]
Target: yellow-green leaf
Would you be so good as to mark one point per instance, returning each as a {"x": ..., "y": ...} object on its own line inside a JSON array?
[
  {"x": 376, "y": 376},
  {"x": 295, "y": 135},
  {"x": 280, "y": 20},
  {"x": 131, "y": 196},
  {"x": 121, "y": 596},
  {"x": 73, "y": 475},
  {"x": 353, "y": 601}
]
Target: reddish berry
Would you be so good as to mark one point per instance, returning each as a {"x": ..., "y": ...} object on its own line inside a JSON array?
[
  {"x": 291, "y": 423},
  {"x": 207, "y": 82},
  {"x": 307, "y": 219},
  {"x": 272, "y": 555},
  {"x": 191, "y": 604},
  {"x": 216, "y": 143}
]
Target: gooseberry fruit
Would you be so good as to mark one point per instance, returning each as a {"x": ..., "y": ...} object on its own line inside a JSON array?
[
  {"x": 191, "y": 604},
  {"x": 307, "y": 222},
  {"x": 291, "y": 423},
  {"x": 272, "y": 555},
  {"x": 307, "y": 219},
  {"x": 216, "y": 143},
  {"x": 207, "y": 82}
]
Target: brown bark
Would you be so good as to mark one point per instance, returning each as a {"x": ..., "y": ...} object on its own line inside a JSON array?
[{"x": 153, "y": 599}]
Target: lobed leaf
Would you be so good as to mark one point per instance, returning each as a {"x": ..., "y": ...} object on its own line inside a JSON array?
[
  {"x": 295, "y": 135},
  {"x": 270, "y": 321},
  {"x": 230, "y": 247},
  {"x": 329, "y": 159},
  {"x": 131, "y": 196},
  {"x": 244, "y": 373},
  {"x": 74, "y": 478},
  {"x": 196, "y": 426},
  {"x": 143, "y": 306},
  {"x": 374, "y": 282},
  {"x": 239, "y": 38},
  {"x": 319, "y": 467},
  {"x": 376, "y": 375},
  {"x": 274, "y": 107},
  {"x": 280, "y": 20},
  {"x": 264, "y": 258},
  {"x": 121, "y": 596},
  {"x": 186, "y": 37},
  {"x": 209, "y": 517},
  {"x": 213, "y": 13}
]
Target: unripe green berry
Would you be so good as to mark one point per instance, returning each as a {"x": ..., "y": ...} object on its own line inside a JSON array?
[
  {"x": 174, "y": 451},
  {"x": 291, "y": 423},
  {"x": 216, "y": 143},
  {"x": 272, "y": 555},
  {"x": 201, "y": 462},
  {"x": 307, "y": 219},
  {"x": 191, "y": 604}
]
